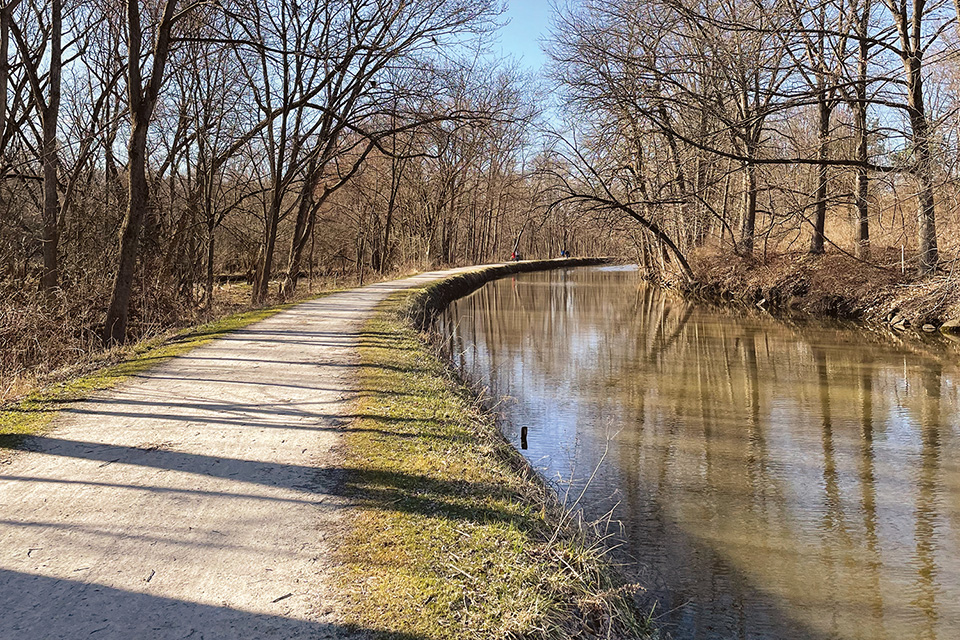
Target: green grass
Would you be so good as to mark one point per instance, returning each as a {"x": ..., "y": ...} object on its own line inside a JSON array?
[
  {"x": 455, "y": 537},
  {"x": 35, "y": 413}
]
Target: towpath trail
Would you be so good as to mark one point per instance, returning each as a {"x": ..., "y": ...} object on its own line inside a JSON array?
[{"x": 196, "y": 500}]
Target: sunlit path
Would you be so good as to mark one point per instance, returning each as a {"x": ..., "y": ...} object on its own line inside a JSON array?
[{"x": 199, "y": 499}]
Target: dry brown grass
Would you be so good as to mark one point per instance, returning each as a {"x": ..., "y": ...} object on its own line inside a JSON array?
[
  {"x": 783, "y": 275},
  {"x": 835, "y": 284}
]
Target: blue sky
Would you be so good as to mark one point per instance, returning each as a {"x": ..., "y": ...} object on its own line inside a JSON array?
[{"x": 529, "y": 23}]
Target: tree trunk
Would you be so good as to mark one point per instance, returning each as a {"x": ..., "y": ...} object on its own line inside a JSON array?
[
  {"x": 261, "y": 280},
  {"x": 395, "y": 175},
  {"x": 748, "y": 208},
  {"x": 303, "y": 229},
  {"x": 923, "y": 169},
  {"x": 862, "y": 186},
  {"x": 5, "y": 18},
  {"x": 686, "y": 218},
  {"x": 141, "y": 104},
  {"x": 860, "y": 132},
  {"x": 115, "y": 329},
  {"x": 51, "y": 198},
  {"x": 208, "y": 283},
  {"x": 823, "y": 152},
  {"x": 49, "y": 111}
]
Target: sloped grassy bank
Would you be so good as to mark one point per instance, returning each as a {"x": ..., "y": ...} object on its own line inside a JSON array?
[{"x": 457, "y": 536}]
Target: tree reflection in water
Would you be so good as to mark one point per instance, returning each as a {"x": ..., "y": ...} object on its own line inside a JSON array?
[{"x": 773, "y": 478}]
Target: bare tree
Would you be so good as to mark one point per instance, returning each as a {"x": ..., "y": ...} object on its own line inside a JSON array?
[
  {"x": 912, "y": 22},
  {"x": 143, "y": 94},
  {"x": 45, "y": 93}
]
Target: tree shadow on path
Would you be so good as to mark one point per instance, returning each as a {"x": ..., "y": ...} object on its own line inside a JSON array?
[{"x": 89, "y": 610}]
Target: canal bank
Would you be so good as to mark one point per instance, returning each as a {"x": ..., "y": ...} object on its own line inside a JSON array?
[
  {"x": 457, "y": 536},
  {"x": 879, "y": 292}
]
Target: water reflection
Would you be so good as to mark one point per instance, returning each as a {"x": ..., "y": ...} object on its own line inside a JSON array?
[{"x": 772, "y": 481}]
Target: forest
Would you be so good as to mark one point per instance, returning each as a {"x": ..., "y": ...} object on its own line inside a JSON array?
[{"x": 164, "y": 162}]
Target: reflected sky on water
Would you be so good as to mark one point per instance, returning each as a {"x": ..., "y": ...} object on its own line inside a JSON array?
[{"x": 772, "y": 479}]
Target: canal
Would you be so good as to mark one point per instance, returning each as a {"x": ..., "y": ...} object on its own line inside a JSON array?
[{"x": 761, "y": 478}]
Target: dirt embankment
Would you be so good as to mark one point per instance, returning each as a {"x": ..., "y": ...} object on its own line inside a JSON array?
[{"x": 836, "y": 285}]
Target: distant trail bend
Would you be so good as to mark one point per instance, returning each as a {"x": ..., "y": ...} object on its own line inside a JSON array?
[{"x": 193, "y": 501}]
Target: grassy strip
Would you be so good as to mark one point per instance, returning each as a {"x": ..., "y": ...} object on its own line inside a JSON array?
[
  {"x": 34, "y": 414},
  {"x": 456, "y": 537}
]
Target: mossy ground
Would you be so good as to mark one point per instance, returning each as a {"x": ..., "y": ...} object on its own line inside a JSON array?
[
  {"x": 36, "y": 412},
  {"x": 454, "y": 538}
]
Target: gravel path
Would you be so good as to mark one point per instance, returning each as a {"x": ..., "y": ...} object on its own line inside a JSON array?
[{"x": 196, "y": 500}]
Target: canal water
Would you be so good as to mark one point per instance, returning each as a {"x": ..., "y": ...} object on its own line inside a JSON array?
[{"x": 766, "y": 479}]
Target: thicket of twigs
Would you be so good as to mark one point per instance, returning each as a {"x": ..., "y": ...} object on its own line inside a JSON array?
[
  {"x": 148, "y": 157},
  {"x": 752, "y": 128},
  {"x": 152, "y": 150}
]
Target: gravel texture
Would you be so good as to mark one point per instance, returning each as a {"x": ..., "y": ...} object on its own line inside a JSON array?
[{"x": 198, "y": 499}]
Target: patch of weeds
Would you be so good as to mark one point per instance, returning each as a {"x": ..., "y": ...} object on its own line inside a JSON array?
[{"x": 455, "y": 537}]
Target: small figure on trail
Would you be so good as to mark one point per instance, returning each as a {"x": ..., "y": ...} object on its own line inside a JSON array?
[{"x": 515, "y": 256}]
